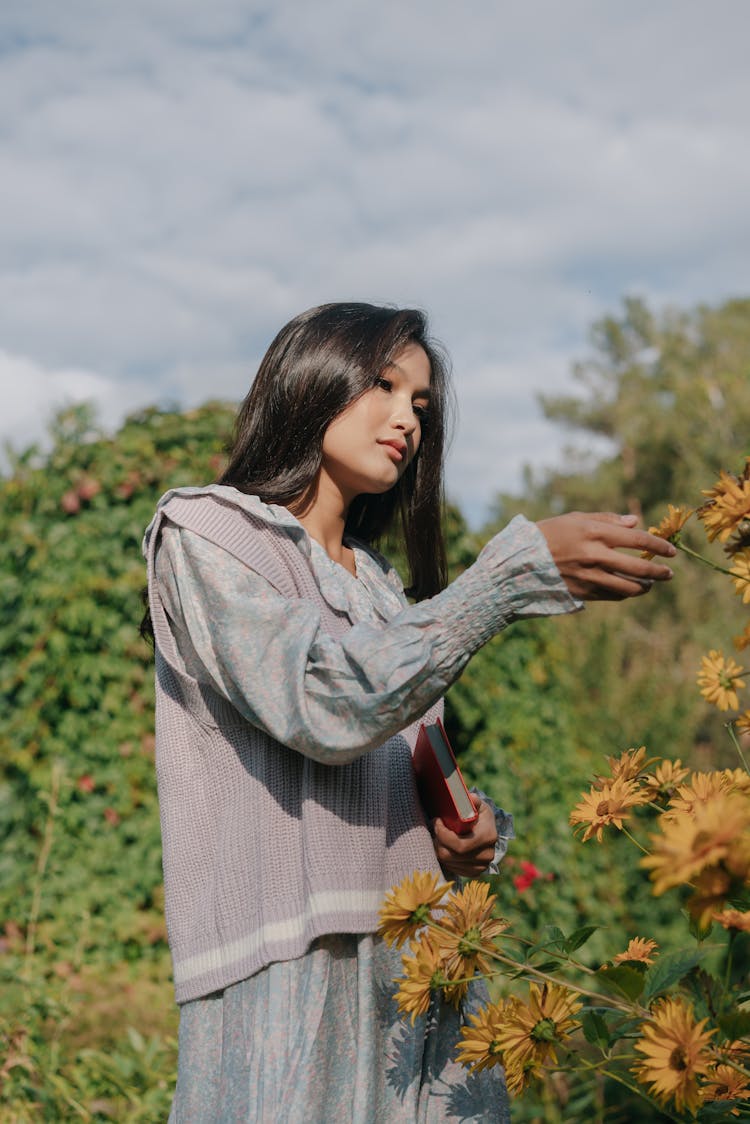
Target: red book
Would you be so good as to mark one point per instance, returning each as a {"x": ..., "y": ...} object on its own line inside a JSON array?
[{"x": 441, "y": 787}]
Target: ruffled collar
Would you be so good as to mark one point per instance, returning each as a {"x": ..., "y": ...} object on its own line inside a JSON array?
[{"x": 376, "y": 593}]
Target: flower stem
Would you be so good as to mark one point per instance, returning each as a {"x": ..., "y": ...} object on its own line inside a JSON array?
[
  {"x": 737, "y": 746},
  {"x": 730, "y": 951},
  {"x": 640, "y": 1093},
  {"x": 633, "y": 839},
  {"x": 529, "y": 970},
  {"x": 701, "y": 558},
  {"x": 563, "y": 956}
]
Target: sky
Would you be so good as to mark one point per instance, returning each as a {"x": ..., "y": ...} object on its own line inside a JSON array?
[{"x": 178, "y": 179}]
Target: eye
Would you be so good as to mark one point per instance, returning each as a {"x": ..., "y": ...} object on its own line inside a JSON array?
[
  {"x": 422, "y": 412},
  {"x": 384, "y": 384}
]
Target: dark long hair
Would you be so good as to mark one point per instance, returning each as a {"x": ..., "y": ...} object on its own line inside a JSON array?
[{"x": 317, "y": 365}]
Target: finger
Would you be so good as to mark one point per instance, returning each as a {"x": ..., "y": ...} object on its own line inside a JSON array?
[
  {"x": 621, "y": 531},
  {"x": 482, "y": 834},
  {"x": 611, "y": 517},
  {"x": 620, "y": 537},
  {"x": 606, "y": 585},
  {"x": 466, "y": 868},
  {"x": 483, "y": 855},
  {"x": 457, "y": 844},
  {"x": 640, "y": 569}
]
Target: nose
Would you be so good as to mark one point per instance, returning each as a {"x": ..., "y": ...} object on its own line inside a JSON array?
[{"x": 404, "y": 418}]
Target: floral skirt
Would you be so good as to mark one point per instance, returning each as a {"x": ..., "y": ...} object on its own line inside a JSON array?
[{"x": 319, "y": 1039}]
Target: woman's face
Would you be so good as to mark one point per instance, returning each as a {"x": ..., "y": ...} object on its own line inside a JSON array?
[{"x": 367, "y": 448}]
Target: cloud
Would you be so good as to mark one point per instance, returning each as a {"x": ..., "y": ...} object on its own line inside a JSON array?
[
  {"x": 33, "y": 393},
  {"x": 182, "y": 179}
]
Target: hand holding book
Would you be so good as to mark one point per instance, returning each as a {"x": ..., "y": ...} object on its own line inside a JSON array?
[
  {"x": 441, "y": 785},
  {"x": 463, "y": 826},
  {"x": 470, "y": 854}
]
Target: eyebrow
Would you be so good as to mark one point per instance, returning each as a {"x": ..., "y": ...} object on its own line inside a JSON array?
[{"x": 423, "y": 392}]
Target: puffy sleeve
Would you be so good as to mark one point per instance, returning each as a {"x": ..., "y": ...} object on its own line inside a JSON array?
[{"x": 334, "y": 699}]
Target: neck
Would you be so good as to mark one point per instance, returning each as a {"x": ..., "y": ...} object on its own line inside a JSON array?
[{"x": 322, "y": 512}]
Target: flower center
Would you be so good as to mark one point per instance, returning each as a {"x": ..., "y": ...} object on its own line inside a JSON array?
[
  {"x": 469, "y": 940},
  {"x": 420, "y": 915},
  {"x": 438, "y": 980},
  {"x": 677, "y": 1059},
  {"x": 544, "y": 1031}
]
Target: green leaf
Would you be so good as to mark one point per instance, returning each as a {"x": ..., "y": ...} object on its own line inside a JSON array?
[
  {"x": 579, "y": 937},
  {"x": 707, "y": 992},
  {"x": 735, "y": 1024},
  {"x": 548, "y": 966},
  {"x": 595, "y": 1030},
  {"x": 622, "y": 979},
  {"x": 721, "y": 1111},
  {"x": 553, "y": 935},
  {"x": 668, "y": 969}
]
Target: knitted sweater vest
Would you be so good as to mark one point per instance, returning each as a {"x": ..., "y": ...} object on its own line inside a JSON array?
[{"x": 265, "y": 849}]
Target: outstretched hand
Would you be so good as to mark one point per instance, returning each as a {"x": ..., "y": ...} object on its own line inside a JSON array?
[{"x": 588, "y": 552}]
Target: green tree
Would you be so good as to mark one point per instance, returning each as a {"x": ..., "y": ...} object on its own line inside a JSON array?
[{"x": 670, "y": 395}]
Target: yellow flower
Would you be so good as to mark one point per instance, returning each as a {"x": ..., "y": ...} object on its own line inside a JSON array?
[
  {"x": 741, "y": 642},
  {"x": 736, "y": 780},
  {"x": 727, "y": 506},
  {"x": 741, "y": 568},
  {"x": 610, "y": 804},
  {"x": 479, "y": 1047},
  {"x": 626, "y": 767},
  {"x": 521, "y": 1038},
  {"x": 688, "y": 843},
  {"x": 733, "y": 1053},
  {"x": 518, "y": 1074},
  {"x": 531, "y": 1033},
  {"x": 676, "y": 1051},
  {"x": 719, "y": 680},
  {"x": 726, "y": 1084},
  {"x": 408, "y": 906},
  {"x": 423, "y": 975},
  {"x": 734, "y": 919},
  {"x": 468, "y": 930},
  {"x": 702, "y": 788},
  {"x": 742, "y": 722},
  {"x": 640, "y": 948},
  {"x": 712, "y": 888},
  {"x": 663, "y": 782},
  {"x": 670, "y": 526}
]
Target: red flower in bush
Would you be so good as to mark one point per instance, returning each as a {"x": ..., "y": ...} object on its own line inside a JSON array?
[
  {"x": 528, "y": 876},
  {"x": 86, "y": 783},
  {"x": 87, "y": 488}
]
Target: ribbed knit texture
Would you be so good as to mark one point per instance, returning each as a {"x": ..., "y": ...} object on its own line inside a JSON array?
[{"x": 265, "y": 849}]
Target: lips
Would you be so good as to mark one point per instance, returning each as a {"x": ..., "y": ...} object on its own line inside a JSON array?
[{"x": 398, "y": 448}]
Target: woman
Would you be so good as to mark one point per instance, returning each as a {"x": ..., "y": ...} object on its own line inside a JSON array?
[{"x": 292, "y": 676}]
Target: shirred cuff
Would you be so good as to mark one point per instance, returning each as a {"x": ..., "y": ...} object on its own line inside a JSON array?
[{"x": 513, "y": 578}]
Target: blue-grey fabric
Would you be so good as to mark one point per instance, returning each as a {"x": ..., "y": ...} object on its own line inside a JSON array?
[{"x": 319, "y": 1039}]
